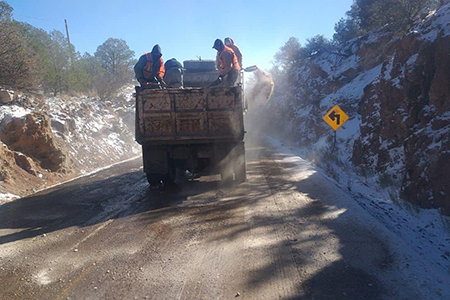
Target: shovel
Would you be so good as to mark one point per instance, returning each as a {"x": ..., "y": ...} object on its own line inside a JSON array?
[{"x": 215, "y": 83}]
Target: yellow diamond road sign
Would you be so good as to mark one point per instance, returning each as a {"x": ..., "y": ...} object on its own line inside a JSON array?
[{"x": 336, "y": 117}]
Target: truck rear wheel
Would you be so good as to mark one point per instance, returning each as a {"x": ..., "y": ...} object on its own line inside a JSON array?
[
  {"x": 154, "y": 178},
  {"x": 158, "y": 165}
]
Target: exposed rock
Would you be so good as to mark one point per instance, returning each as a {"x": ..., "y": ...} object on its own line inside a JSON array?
[
  {"x": 19, "y": 174},
  {"x": 24, "y": 162},
  {"x": 5, "y": 97},
  {"x": 33, "y": 136},
  {"x": 396, "y": 91},
  {"x": 413, "y": 102},
  {"x": 7, "y": 159},
  {"x": 44, "y": 141}
]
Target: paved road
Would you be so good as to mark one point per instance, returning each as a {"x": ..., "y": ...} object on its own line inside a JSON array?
[{"x": 280, "y": 235}]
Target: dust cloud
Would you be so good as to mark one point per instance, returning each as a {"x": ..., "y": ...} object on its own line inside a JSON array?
[{"x": 259, "y": 89}]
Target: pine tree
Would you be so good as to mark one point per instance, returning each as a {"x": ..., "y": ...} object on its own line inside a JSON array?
[{"x": 17, "y": 60}]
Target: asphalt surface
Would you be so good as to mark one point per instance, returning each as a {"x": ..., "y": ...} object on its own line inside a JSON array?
[{"x": 279, "y": 235}]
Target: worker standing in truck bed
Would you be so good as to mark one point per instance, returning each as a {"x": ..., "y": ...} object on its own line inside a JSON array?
[
  {"x": 229, "y": 65},
  {"x": 150, "y": 68},
  {"x": 230, "y": 43}
]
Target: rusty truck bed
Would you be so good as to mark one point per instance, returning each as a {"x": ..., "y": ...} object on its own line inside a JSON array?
[{"x": 193, "y": 115}]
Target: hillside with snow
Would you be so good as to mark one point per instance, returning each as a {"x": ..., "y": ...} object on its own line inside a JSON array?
[
  {"x": 44, "y": 141},
  {"x": 396, "y": 91}
]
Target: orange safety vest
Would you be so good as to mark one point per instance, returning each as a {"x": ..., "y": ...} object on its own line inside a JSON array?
[
  {"x": 235, "y": 60},
  {"x": 147, "y": 71}
]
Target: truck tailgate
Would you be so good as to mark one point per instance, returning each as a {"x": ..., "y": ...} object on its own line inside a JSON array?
[{"x": 194, "y": 114}]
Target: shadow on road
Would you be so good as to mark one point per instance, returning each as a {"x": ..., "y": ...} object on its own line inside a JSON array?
[
  {"x": 305, "y": 229},
  {"x": 362, "y": 255},
  {"x": 109, "y": 194},
  {"x": 363, "y": 258}
]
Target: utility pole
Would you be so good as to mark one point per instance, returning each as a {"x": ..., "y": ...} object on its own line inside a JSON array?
[{"x": 70, "y": 45}]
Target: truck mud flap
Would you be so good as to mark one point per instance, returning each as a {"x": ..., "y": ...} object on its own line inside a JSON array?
[{"x": 230, "y": 160}]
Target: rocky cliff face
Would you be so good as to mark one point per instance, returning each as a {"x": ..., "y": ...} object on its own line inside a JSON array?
[
  {"x": 412, "y": 98},
  {"x": 396, "y": 90}
]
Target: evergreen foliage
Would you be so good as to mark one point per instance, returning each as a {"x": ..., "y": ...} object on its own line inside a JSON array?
[
  {"x": 367, "y": 15},
  {"x": 5, "y": 11},
  {"x": 292, "y": 53},
  {"x": 32, "y": 59},
  {"x": 289, "y": 54},
  {"x": 16, "y": 64},
  {"x": 364, "y": 16},
  {"x": 346, "y": 29},
  {"x": 314, "y": 45},
  {"x": 116, "y": 59}
]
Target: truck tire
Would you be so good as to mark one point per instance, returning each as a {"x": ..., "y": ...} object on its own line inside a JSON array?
[
  {"x": 158, "y": 165},
  {"x": 154, "y": 178}
]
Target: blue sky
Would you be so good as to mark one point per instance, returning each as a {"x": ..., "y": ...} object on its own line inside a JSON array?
[{"x": 186, "y": 29}]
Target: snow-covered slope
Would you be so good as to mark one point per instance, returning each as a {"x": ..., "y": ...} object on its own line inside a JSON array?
[
  {"x": 395, "y": 90},
  {"x": 47, "y": 141}
]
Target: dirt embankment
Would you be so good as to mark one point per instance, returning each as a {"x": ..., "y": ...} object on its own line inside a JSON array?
[
  {"x": 46, "y": 141},
  {"x": 32, "y": 157}
]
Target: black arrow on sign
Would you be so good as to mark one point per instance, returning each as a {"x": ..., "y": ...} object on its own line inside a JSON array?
[{"x": 334, "y": 116}]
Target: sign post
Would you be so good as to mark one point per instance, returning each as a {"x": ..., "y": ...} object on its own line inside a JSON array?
[{"x": 335, "y": 118}]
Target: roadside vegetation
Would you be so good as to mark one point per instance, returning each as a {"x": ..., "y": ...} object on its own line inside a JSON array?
[
  {"x": 363, "y": 16},
  {"x": 33, "y": 60}
]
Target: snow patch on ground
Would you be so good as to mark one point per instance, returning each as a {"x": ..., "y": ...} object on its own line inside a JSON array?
[
  {"x": 7, "y": 113},
  {"x": 93, "y": 132},
  {"x": 7, "y": 197},
  {"x": 436, "y": 23},
  {"x": 354, "y": 90}
]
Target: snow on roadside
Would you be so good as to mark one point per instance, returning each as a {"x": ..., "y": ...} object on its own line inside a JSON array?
[
  {"x": 419, "y": 237},
  {"x": 92, "y": 133},
  {"x": 97, "y": 132},
  {"x": 7, "y": 113},
  {"x": 7, "y": 197}
]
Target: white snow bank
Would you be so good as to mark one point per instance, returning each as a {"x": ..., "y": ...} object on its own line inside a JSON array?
[
  {"x": 7, "y": 197},
  {"x": 354, "y": 90},
  {"x": 7, "y": 113}
]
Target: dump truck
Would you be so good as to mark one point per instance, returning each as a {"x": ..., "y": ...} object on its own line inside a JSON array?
[{"x": 195, "y": 129}]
